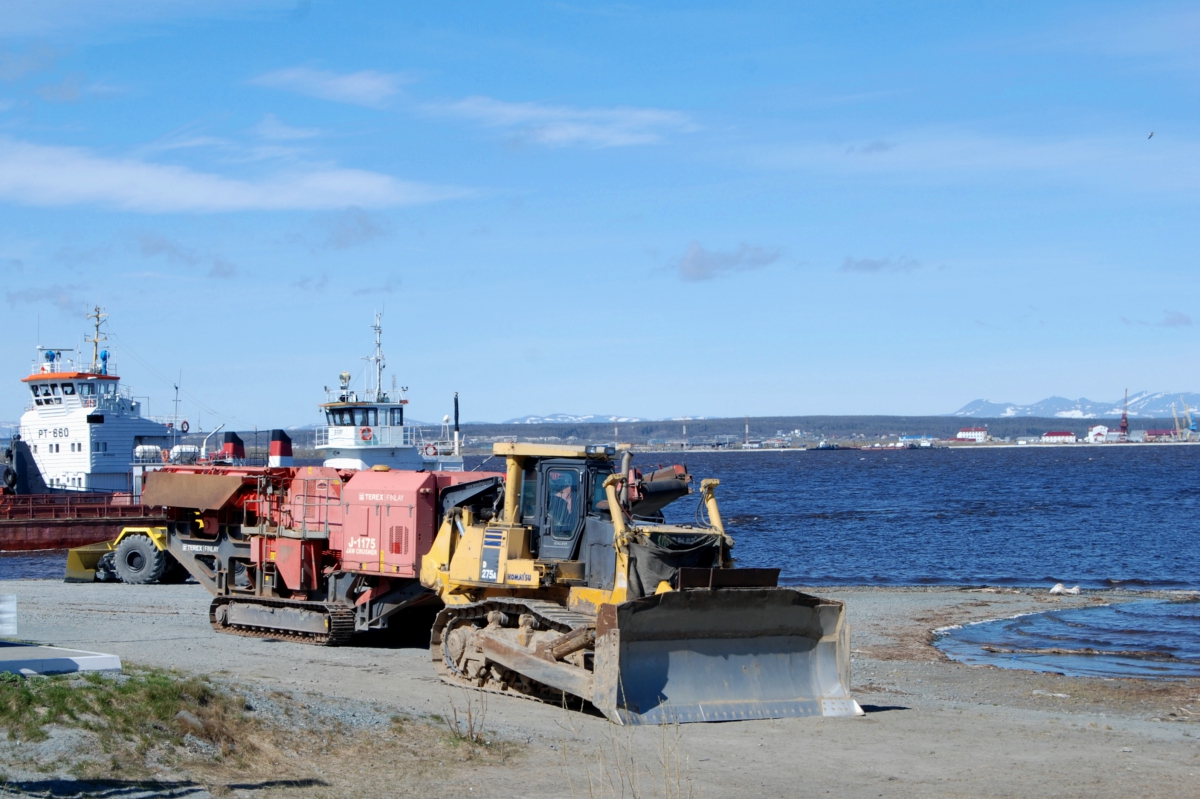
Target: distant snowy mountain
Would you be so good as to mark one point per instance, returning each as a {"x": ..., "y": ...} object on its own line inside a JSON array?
[
  {"x": 1145, "y": 404},
  {"x": 571, "y": 418}
]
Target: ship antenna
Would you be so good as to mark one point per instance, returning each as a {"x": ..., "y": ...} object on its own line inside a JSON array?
[
  {"x": 99, "y": 317},
  {"x": 377, "y": 360},
  {"x": 175, "y": 421}
]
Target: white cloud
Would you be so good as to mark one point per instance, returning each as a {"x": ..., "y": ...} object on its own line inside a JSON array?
[
  {"x": 368, "y": 87},
  {"x": 272, "y": 127},
  {"x": 16, "y": 64},
  {"x": 1130, "y": 158},
  {"x": 35, "y": 174},
  {"x": 557, "y": 125},
  {"x": 65, "y": 298},
  {"x": 701, "y": 264},
  {"x": 869, "y": 265},
  {"x": 40, "y": 17}
]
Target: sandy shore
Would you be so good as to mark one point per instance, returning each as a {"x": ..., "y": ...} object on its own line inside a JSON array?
[{"x": 933, "y": 728}]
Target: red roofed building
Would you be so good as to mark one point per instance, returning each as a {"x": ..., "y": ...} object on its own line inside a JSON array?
[
  {"x": 976, "y": 434},
  {"x": 1059, "y": 437}
]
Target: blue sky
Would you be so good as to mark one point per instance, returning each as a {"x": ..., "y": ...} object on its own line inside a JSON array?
[{"x": 650, "y": 210}]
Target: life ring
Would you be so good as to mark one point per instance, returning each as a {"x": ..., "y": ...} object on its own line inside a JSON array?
[
  {"x": 430, "y": 449},
  {"x": 185, "y": 427},
  {"x": 166, "y": 456},
  {"x": 365, "y": 434}
]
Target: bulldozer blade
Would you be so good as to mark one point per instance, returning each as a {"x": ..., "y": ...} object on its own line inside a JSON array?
[
  {"x": 722, "y": 655},
  {"x": 81, "y": 561}
]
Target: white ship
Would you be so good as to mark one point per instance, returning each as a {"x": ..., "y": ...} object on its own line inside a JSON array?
[
  {"x": 82, "y": 428},
  {"x": 366, "y": 429}
]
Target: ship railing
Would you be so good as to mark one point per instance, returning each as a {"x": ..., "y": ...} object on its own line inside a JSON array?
[
  {"x": 75, "y": 505},
  {"x": 71, "y": 365},
  {"x": 355, "y": 437},
  {"x": 368, "y": 395},
  {"x": 435, "y": 445}
]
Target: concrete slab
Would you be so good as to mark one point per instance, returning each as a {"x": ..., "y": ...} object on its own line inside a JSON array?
[{"x": 29, "y": 659}]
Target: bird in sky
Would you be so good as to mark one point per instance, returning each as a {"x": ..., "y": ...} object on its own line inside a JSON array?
[{"x": 1151, "y": 136}]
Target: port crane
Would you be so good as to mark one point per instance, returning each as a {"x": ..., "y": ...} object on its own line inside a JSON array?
[{"x": 1185, "y": 428}]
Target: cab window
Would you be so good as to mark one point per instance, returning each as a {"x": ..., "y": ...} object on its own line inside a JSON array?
[
  {"x": 529, "y": 496},
  {"x": 562, "y": 487},
  {"x": 398, "y": 417},
  {"x": 68, "y": 389},
  {"x": 87, "y": 389},
  {"x": 598, "y": 493}
]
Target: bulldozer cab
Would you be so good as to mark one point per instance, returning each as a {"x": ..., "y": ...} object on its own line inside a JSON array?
[{"x": 557, "y": 497}]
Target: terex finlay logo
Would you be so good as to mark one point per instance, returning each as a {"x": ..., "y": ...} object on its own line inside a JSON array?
[
  {"x": 362, "y": 545},
  {"x": 364, "y": 496}
]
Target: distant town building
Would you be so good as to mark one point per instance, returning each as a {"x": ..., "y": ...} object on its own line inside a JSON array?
[
  {"x": 976, "y": 434},
  {"x": 1160, "y": 435},
  {"x": 1097, "y": 434},
  {"x": 1059, "y": 437}
]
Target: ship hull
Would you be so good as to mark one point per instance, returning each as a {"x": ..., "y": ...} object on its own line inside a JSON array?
[{"x": 62, "y": 521}]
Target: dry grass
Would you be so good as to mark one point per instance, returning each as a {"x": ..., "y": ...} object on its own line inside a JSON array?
[
  {"x": 627, "y": 763},
  {"x": 158, "y": 729}
]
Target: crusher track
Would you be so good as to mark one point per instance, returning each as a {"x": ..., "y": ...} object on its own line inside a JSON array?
[
  {"x": 550, "y": 616},
  {"x": 339, "y": 620}
]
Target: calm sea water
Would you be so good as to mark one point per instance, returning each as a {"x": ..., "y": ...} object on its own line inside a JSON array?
[
  {"x": 1136, "y": 639},
  {"x": 1090, "y": 516}
]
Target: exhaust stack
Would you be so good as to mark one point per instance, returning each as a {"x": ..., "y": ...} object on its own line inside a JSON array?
[
  {"x": 457, "y": 441},
  {"x": 280, "y": 453}
]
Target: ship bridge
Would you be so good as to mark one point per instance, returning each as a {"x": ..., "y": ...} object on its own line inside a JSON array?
[{"x": 365, "y": 429}]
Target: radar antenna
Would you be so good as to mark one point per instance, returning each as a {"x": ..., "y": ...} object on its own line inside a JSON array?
[
  {"x": 378, "y": 363},
  {"x": 98, "y": 317}
]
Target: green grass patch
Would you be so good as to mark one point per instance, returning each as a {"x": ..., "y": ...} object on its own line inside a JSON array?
[{"x": 144, "y": 707}]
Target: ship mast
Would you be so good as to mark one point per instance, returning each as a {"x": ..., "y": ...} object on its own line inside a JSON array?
[
  {"x": 377, "y": 361},
  {"x": 99, "y": 317}
]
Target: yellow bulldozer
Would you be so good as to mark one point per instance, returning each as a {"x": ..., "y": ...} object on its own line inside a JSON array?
[{"x": 563, "y": 579}]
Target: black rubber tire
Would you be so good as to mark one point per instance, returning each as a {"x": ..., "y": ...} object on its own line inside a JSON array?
[
  {"x": 138, "y": 561},
  {"x": 10, "y": 477},
  {"x": 174, "y": 573}
]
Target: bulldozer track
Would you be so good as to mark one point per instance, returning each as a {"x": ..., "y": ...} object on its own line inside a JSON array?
[
  {"x": 340, "y": 619},
  {"x": 550, "y": 614}
]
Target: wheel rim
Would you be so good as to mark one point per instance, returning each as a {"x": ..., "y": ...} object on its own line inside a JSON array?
[{"x": 135, "y": 561}]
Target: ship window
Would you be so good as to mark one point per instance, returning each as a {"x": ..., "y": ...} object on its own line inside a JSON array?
[
  {"x": 341, "y": 417},
  {"x": 398, "y": 417},
  {"x": 95, "y": 446},
  {"x": 45, "y": 389},
  {"x": 87, "y": 389},
  {"x": 54, "y": 389},
  {"x": 372, "y": 416},
  {"x": 68, "y": 389},
  {"x": 34, "y": 389},
  {"x": 104, "y": 446}
]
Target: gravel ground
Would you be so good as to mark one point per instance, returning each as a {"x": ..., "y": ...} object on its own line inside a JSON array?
[{"x": 934, "y": 727}]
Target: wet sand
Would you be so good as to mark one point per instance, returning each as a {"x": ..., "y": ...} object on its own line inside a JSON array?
[{"x": 933, "y": 727}]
